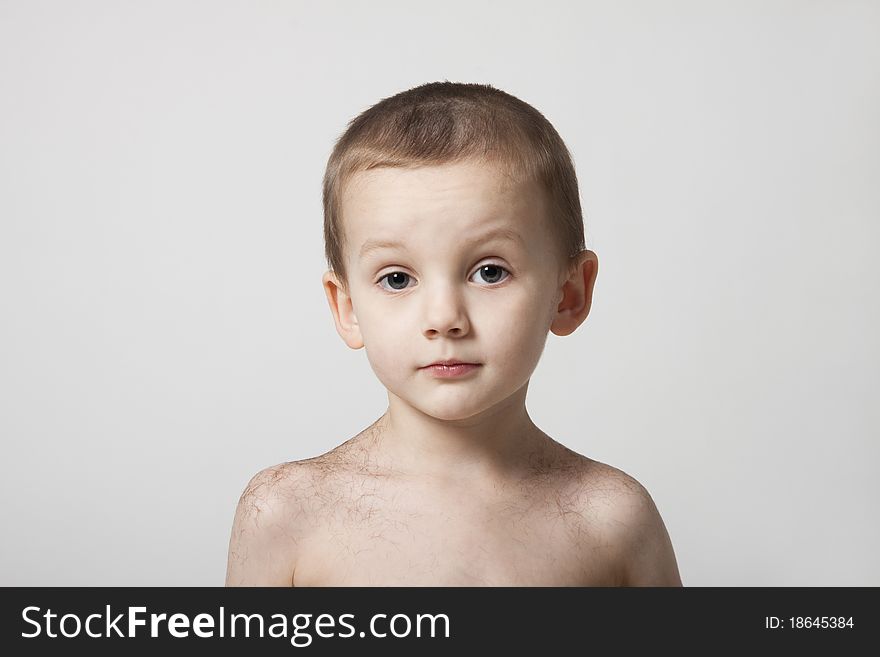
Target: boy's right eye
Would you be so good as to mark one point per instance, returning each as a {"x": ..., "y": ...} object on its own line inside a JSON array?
[{"x": 396, "y": 279}]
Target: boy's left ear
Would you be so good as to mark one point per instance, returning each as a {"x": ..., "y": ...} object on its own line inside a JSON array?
[{"x": 576, "y": 294}]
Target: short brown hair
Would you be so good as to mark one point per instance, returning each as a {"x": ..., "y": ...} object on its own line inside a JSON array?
[{"x": 447, "y": 122}]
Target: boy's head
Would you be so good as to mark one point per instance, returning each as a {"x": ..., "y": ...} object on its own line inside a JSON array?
[
  {"x": 413, "y": 190},
  {"x": 446, "y": 122}
]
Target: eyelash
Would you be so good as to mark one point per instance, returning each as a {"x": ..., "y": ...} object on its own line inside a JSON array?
[{"x": 488, "y": 264}]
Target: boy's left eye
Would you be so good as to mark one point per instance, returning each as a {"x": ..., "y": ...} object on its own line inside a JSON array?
[{"x": 490, "y": 273}]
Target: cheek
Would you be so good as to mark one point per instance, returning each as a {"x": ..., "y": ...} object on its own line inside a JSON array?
[
  {"x": 385, "y": 343},
  {"x": 516, "y": 330},
  {"x": 386, "y": 364}
]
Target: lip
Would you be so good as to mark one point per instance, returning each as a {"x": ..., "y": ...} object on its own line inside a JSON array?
[
  {"x": 452, "y": 370},
  {"x": 450, "y": 361}
]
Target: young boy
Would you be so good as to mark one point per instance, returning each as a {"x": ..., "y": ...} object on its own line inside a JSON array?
[{"x": 454, "y": 236}]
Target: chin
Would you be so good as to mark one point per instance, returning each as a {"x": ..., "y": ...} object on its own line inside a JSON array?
[
  {"x": 451, "y": 416},
  {"x": 452, "y": 411},
  {"x": 448, "y": 404}
]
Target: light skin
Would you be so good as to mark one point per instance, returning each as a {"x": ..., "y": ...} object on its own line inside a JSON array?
[
  {"x": 454, "y": 485},
  {"x": 442, "y": 302}
]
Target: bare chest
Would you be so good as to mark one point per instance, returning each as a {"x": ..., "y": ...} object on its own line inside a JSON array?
[{"x": 454, "y": 539}]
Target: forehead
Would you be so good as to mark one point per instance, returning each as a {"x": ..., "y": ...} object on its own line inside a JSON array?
[{"x": 439, "y": 200}]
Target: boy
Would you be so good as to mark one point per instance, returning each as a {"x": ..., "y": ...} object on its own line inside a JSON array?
[{"x": 454, "y": 236}]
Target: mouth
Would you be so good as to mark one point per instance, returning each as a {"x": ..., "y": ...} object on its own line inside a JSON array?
[
  {"x": 450, "y": 369},
  {"x": 449, "y": 363}
]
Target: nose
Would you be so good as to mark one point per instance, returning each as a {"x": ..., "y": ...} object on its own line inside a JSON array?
[{"x": 445, "y": 313}]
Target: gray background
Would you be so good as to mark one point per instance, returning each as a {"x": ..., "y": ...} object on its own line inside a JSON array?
[{"x": 164, "y": 333}]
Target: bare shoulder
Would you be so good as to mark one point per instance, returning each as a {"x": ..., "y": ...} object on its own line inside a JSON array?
[
  {"x": 632, "y": 529},
  {"x": 272, "y": 517}
]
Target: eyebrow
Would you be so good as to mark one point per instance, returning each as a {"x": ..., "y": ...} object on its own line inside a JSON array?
[{"x": 499, "y": 233}]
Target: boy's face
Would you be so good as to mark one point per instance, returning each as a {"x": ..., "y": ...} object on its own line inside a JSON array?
[{"x": 447, "y": 288}]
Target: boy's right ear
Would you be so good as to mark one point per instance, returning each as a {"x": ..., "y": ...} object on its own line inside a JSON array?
[{"x": 343, "y": 311}]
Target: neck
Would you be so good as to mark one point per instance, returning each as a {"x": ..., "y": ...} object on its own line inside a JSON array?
[{"x": 491, "y": 445}]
